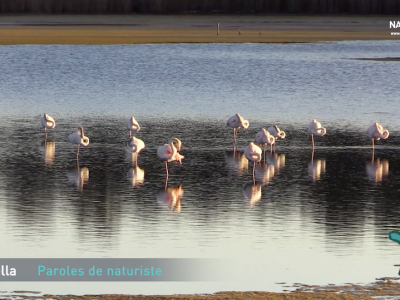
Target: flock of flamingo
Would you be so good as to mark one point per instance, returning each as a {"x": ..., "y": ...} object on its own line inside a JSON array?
[{"x": 170, "y": 151}]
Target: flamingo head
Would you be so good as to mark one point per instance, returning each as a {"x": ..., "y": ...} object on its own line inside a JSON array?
[
  {"x": 179, "y": 157},
  {"x": 177, "y": 142}
]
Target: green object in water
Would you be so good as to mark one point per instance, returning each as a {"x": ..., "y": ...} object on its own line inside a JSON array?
[{"x": 395, "y": 236}]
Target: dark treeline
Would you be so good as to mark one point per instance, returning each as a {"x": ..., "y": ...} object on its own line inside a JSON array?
[{"x": 378, "y": 7}]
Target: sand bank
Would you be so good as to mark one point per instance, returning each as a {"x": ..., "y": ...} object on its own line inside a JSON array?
[
  {"x": 140, "y": 29},
  {"x": 383, "y": 288}
]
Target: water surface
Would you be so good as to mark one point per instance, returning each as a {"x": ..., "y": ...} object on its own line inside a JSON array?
[{"x": 314, "y": 218}]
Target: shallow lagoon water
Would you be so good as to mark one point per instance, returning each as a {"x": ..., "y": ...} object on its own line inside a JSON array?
[{"x": 316, "y": 219}]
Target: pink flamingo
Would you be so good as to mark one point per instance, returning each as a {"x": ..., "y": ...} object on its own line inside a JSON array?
[
  {"x": 277, "y": 133},
  {"x": 376, "y": 132},
  {"x": 168, "y": 152},
  {"x": 263, "y": 137},
  {"x": 48, "y": 123},
  {"x": 253, "y": 153},
  {"x": 132, "y": 125},
  {"x": 78, "y": 138},
  {"x": 315, "y": 128},
  {"x": 236, "y": 122}
]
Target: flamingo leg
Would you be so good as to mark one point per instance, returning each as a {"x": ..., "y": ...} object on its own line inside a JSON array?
[
  {"x": 373, "y": 144},
  {"x": 234, "y": 135},
  {"x": 270, "y": 148},
  {"x": 254, "y": 166},
  {"x": 312, "y": 140},
  {"x": 264, "y": 152},
  {"x": 166, "y": 168},
  {"x": 45, "y": 133},
  {"x": 130, "y": 133},
  {"x": 312, "y": 156},
  {"x": 77, "y": 152},
  {"x": 373, "y": 155}
]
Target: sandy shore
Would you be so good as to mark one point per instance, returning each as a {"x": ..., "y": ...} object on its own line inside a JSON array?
[
  {"x": 383, "y": 288},
  {"x": 141, "y": 29}
]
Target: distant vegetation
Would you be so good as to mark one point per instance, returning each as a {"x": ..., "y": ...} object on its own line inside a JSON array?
[{"x": 359, "y": 7}]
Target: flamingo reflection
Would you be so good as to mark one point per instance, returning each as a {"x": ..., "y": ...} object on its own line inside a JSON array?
[
  {"x": 252, "y": 191},
  {"x": 377, "y": 169},
  {"x": 49, "y": 152},
  {"x": 277, "y": 160},
  {"x": 237, "y": 161},
  {"x": 264, "y": 172},
  {"x": 79, "y": 177},
  {"x": 136, "y": 176},
  {"x": 316, "y": 168},
  {"x": 171, "y": 197}
]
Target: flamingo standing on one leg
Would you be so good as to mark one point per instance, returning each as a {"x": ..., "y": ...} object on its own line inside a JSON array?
[
  {"x": 134, "y": 146},
  {"x": 236, "y": 122},
  {"x": 376, "y": 132},
  {"x": 78, "y": 138},
  {"x": 168, "y": 152},
  {"x": 315, "y": 128},
  {"x": 47, "y": 122},
  {"x": 253, "y": 153},
  {"x": 263, "y": 137},
  {"x": 132, "y": 125},
  {"x": 277, "y": 133}
]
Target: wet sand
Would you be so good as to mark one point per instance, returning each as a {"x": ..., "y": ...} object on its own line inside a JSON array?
[
  {"x": 148, "y": 29},
  {"x": 383, "y": 288}
]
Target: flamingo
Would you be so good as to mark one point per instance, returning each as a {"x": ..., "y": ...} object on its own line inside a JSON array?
[
  {"x": 376, "y": 132},
  {"x": 263, "y": 137},
  {"x": 253, "y": 153},
  {"x": 276, "y": 132},
  {"x": 237, "y": 122},
  {"x": 78, "y": 138},
  {"x": 132, "y": 125},
  {"x": 135, "y": 145},
  {"x": 315, "y": 128},
  {"x": 168, "y": 152},
  {"x": 47, "y": 122}
]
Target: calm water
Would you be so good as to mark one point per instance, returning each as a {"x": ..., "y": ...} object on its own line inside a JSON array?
[{"x": 312, "y": 219}]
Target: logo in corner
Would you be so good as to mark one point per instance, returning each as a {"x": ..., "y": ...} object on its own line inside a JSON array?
[{"x": 394, "y": 24}]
